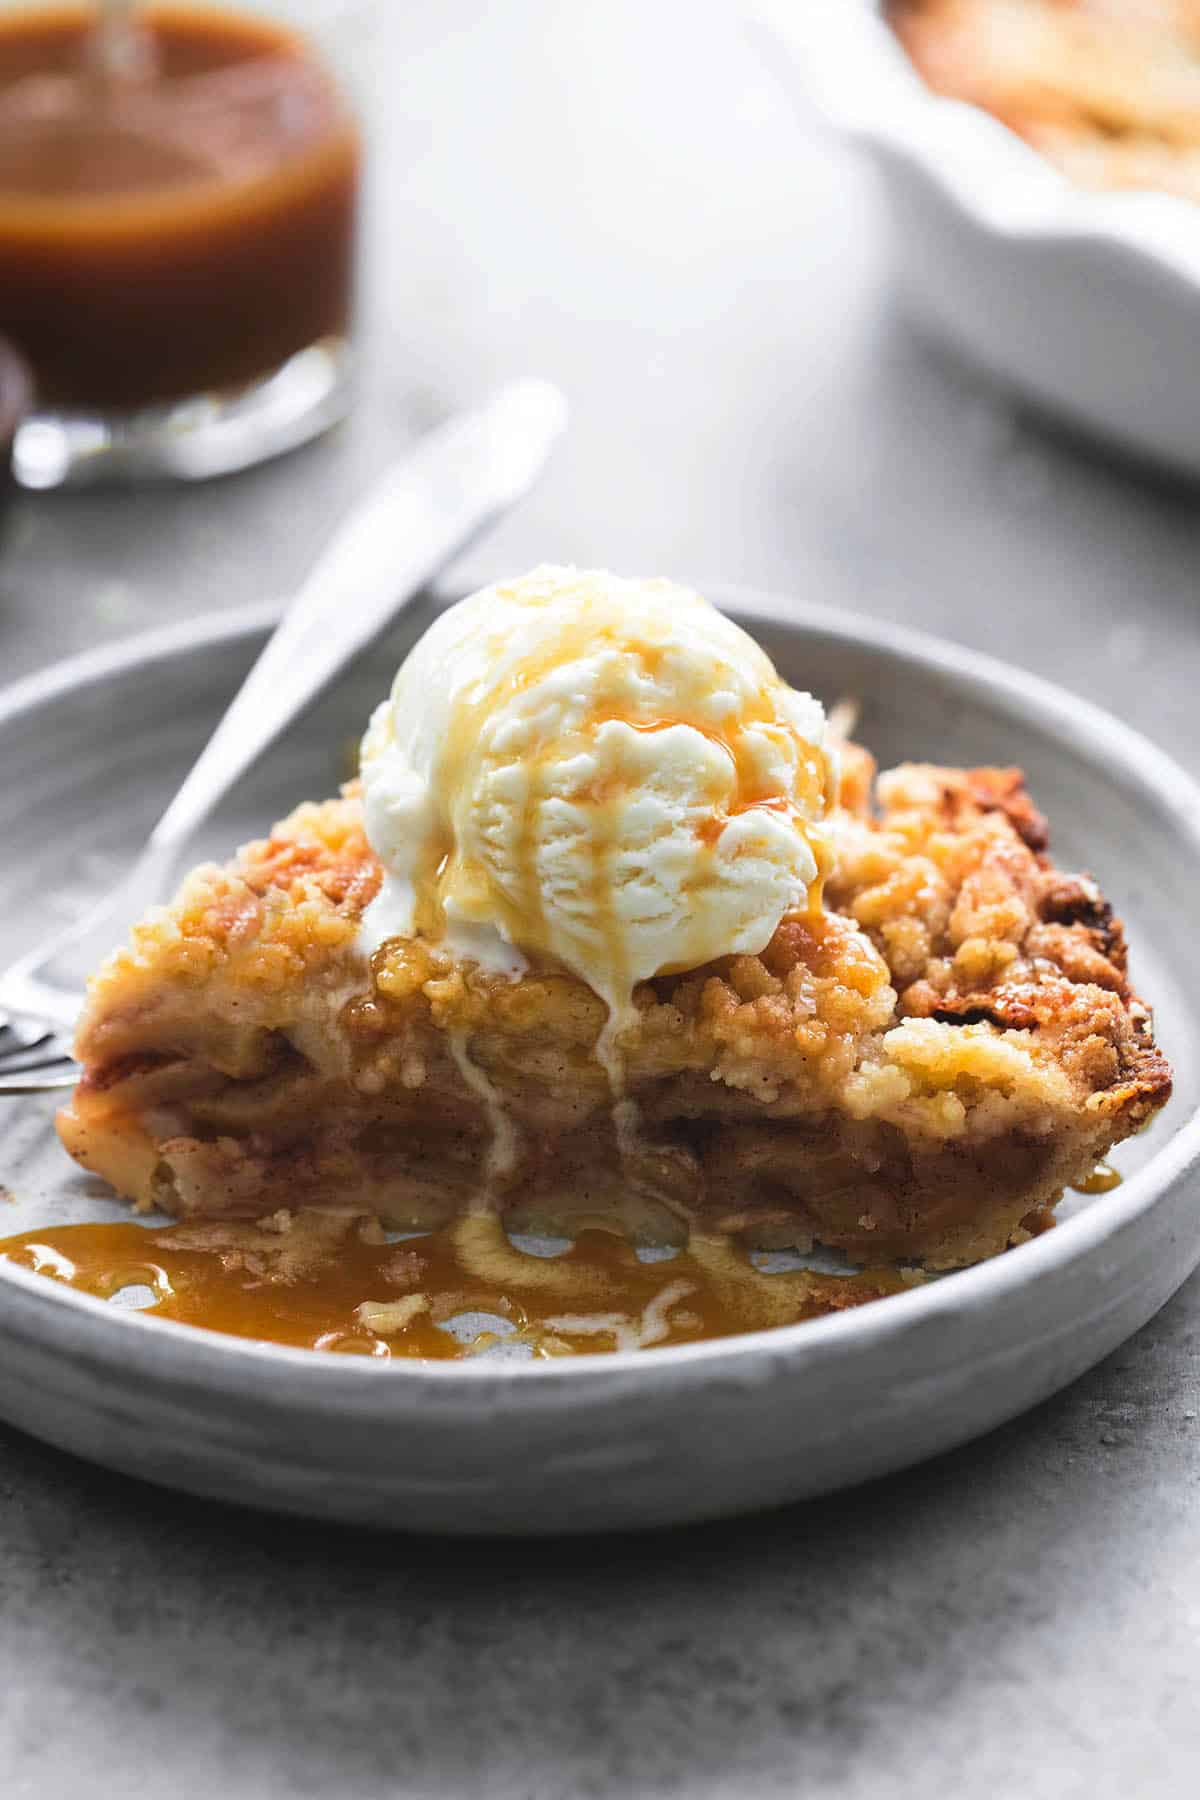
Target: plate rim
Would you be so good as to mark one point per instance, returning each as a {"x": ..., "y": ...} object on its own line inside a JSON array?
[{"x": 1058, "y": 713}]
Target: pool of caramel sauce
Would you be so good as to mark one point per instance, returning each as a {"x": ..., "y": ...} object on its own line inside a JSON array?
[
  {"x": 597, "y": 1295},
  {"x": 340, "y": 1284}
]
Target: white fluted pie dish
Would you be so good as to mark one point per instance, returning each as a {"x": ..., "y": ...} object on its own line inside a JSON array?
[{"x": 1087, "y": 303}]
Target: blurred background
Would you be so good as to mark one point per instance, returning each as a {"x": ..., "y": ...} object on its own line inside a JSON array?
[{"x": 625, "y": 199}]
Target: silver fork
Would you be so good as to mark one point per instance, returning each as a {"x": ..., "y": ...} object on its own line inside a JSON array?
[{"x": 419, "y": 515}]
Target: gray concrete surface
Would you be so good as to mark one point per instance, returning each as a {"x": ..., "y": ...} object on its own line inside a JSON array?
[{"x": 619, "y": 198}]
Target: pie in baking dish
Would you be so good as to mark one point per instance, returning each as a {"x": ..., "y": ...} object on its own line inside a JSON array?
[
  {"x": 1109, "y": 90},
  {"x": 933, "y": 1039}
]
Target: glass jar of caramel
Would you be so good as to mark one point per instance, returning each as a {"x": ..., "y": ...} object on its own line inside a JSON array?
[{"x": 178, "y": 201}]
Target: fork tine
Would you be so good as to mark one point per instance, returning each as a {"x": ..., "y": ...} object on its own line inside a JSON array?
[
  {"x": 48, "y": 1050},
  {"x": 34, "y": 1058},
  {"x": 17, "y": 1043},
  {"x": 21, "y": 1034},
  {"x": 40, "y": 1082}
]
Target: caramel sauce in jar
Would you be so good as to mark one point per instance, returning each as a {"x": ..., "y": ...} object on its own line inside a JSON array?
[
  {"x": 180, "y": 232},
  {"x": 338, "y": 1283}
]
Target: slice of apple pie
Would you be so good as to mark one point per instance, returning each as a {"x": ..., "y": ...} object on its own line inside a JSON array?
[{"x": 916, "y": 1068}]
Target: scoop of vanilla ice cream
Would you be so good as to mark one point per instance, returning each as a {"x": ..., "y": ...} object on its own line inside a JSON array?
[{"x": 604, "y": 771}]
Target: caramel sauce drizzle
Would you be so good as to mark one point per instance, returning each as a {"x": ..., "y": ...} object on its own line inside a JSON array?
[
  {"x": 522, "y": 915},
  {"x": 339, "y": 1284}
]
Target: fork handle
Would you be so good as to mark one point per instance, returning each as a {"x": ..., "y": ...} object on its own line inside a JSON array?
[
  {"x": 413, "y": 521},
  {"x": 418, "y": 516}
]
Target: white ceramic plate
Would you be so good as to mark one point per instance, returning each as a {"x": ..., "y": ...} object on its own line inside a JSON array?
[
  {"x": 1088, "y": 303},
  {"x": 92, "y": 749}
]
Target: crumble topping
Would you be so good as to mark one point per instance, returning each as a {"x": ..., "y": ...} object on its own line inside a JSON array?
[{"x": 915, "y": 1070}]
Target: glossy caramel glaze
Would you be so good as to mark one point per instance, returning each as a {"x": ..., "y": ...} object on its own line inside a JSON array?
[
  {"x": 336, "y": 1282},
  {"x": 445, "y": 874}
]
